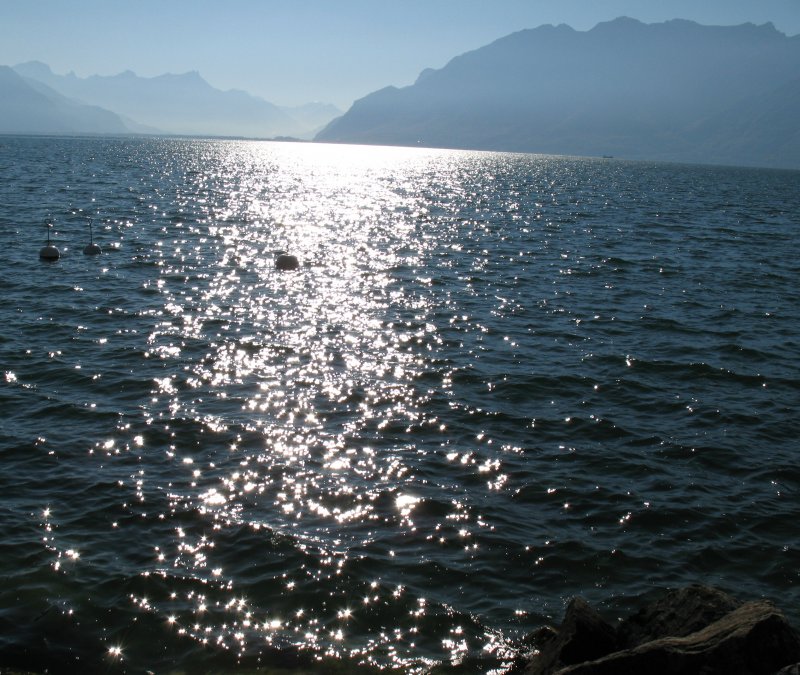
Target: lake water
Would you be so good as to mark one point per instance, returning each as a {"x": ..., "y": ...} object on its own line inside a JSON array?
[{"x": 496, "y": 381}]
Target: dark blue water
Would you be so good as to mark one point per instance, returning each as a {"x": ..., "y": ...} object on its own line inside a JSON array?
[{"x": 497, "y": 381}]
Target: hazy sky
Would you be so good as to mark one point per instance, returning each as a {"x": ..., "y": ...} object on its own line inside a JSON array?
[{"x": 295, "y": 51}]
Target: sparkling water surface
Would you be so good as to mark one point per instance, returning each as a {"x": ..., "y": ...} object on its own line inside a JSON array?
[{"x": 495, "y": 382}]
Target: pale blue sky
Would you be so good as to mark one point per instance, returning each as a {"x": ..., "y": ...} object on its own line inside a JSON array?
[{"x": 295, "y": 51}]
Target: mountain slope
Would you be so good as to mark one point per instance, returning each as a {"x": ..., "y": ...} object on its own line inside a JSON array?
[
  {"x": 766, "y": 126},
  {"x": 177, "y": 104},
  {"x": 311, "y": 118},
  {"x": 32, "y": 108},
  {"x": 622, "y": 88}
]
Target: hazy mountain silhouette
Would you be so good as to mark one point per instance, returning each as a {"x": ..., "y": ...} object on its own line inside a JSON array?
[
  {"x": 675, "y": 90},
  {"x": 32, "y": 108},
  {"x": 183, "y": 104},
  {"x": 311, "y": 118}
]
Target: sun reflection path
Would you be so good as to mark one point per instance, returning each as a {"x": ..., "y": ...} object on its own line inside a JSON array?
[
  {"x": 285, "y": 405},
  {"x": 445, "y": 414}
]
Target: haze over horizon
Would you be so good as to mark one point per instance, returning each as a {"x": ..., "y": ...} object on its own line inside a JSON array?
[{"x": 312, "y": 50}]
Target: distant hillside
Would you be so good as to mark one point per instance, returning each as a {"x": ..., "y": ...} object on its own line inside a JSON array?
[
  {"x": 676, "y": 90},
  {"x": 311, "y": 118},
  {"x": 32, "y": 108},
  {"x": 183, "y": 104}
]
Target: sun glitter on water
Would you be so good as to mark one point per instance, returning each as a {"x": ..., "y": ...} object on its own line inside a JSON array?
[
  {"x": 416, "y": 446},
  {"x": 302, "y": 374}
]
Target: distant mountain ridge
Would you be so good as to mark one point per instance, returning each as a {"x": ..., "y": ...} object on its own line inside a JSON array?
[
  {"x": 674, "y": 91},
  {"x": 181, "y": 104},
  {"x": 34, "y": 108}
]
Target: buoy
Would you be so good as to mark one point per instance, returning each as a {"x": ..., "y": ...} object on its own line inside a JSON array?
[
  {"x": 49, "y": 252},
  {"x": 92, "y": 248},
  {"x": 286, "y": 262}
]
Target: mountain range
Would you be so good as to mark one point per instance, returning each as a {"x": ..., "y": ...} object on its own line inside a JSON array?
[
  {"x": 39, "y": 101},
  {"x": 675, "y": 91},
  {"x": 27, "y": 108}
]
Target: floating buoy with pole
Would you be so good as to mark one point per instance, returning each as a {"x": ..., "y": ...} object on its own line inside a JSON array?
[
  {"x": 49, "y": 252},
  {"x": 92, "y": 248}
]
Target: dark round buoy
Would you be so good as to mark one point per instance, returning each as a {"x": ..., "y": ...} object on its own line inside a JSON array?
[
  {"x": 92, "y": 248},
  {"x": 286, "y": 262},
  {"x": 48, "y": 251}
]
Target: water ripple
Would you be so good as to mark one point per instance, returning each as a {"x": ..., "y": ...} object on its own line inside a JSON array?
[{"x": 495, "y": 381}]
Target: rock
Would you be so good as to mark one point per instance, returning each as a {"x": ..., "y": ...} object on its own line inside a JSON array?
[
  {"x": 583, "y": 636},
  {"x": 676, "y": 614},
  {"x": 754, "y": 639},
  {"x": 540, "y": 636},
  {"x": 697, "y": 629}
]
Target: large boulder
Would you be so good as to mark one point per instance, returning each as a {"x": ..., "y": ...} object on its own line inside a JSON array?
[
  {"x": 583, "y": 636},
  {"x": 676, "y": 614},
  {"x": 754, "y": 639},
  {"x": 697, "y": 629}
]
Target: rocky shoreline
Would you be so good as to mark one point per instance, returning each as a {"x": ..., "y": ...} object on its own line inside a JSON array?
[{"x": 696, "y": 629}]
